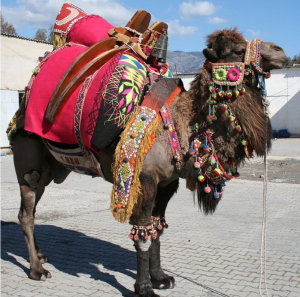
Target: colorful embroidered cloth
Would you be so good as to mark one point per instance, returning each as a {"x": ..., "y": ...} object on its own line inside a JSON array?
[{"x": 136, "y": 140}]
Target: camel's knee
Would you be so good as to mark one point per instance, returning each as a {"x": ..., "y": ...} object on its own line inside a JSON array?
[{"x": 32, "y": 179}]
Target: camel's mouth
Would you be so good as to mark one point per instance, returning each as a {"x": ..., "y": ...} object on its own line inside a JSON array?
[{"x": 278, "y": 65}]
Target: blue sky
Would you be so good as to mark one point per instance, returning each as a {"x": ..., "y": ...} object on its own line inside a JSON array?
[{"x": 189, "y": 21}]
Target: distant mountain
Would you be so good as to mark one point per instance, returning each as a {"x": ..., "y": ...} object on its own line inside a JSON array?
[{"x": 185, "y": 62}]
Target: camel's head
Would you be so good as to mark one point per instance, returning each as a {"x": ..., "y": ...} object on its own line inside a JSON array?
[{"x": 230, "y": 46}]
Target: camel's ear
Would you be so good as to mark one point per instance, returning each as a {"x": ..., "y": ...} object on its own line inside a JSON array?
[{"x": 210, "y": 55}]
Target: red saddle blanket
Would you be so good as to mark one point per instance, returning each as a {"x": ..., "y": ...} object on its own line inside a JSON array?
[{"x": 98, "y": 110}]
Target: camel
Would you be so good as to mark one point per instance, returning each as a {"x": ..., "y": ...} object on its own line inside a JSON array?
[{"x": 214, "y": 125}]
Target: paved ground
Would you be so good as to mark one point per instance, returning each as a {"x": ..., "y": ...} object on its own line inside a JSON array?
[{"x": 91, "y": 255}]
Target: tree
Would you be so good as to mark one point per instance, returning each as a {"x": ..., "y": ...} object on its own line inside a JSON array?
[
  {"x": 7, "y": 28},
  {"x": 50, "y": 34},
  {"x": 294, "y": 60},
  {"x": 41, "y": 34}
]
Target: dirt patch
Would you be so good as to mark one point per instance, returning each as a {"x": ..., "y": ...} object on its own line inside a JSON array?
[{"x": 280, "y": 171}]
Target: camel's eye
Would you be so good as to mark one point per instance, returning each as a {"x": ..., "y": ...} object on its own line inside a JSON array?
[
  {"x": 239, "y": 52},
  {"x": 277, "y": 48}
]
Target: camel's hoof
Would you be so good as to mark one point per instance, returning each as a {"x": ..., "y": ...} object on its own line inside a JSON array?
[
  {"x": 168, "y": 282},
  {"x": 40, "y": 276},
  {"x": 148, "y": 294},
  {"x": 144, "y": 289},
  {"x": 43, "y": 259}
]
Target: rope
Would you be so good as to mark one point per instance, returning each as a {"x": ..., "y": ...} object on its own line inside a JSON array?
[{"x": 263, "y": 248}]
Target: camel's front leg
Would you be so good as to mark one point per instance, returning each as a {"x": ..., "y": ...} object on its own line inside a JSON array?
[
  {"x": 142, "y": 233},
  {"x": 159, "y": 279}
]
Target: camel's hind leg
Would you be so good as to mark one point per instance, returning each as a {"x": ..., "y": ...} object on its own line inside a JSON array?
[
  {"x": 29, "y": 199},
  {"x": 159, "y": 279},
  {"x": 34, "y": 174}
]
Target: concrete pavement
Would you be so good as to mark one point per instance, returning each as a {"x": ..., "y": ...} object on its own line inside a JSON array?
[{"x": 91, "y": 255}]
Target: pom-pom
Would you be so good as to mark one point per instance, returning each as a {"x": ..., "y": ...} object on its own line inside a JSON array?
[
  {"x": 119, "y": 205},
  {"x": 191, "y": 151},
  {"x": 136, "y": 237},
  {"x": 221, "y": 94},
  {"x": 144, "y": 118},
  {"x": 205, "y": 147},
  {"x": 216, "y": 195},
  {"x": 236, "y": 174},
  {"x": 159, "y": 227},
  {"x": 228, "y": 94},
  {"x": 146, "y": 237},
  {"x": 244, "y": 142},
  {"x": 242, "y": 91},
  {"x": 133, "y": 135},
  {"x": 36, "y": 71},
  {"x": 238, "y": 128},
  {"x": 230, "y": 118},
  {"x": 154, "y": 235},
  {"x": 207, "y": 189},
  {"x": 223, "y": 107},
  {"x": 197, "y": 165},
  {"x": 217, "y": 171},
  {"x": 125, "y": 160},
  {"x": 236, "y": 93},
  {"x": 130, "y": 236},
  {"x": 209, "y": 118},
  {"x": 201, "y": 178}
]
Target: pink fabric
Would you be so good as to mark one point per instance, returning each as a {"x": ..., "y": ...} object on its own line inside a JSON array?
[
  {"x": 93, "y": 100},
  {"x": 89, "y": 30},
  {"x": 40, "y": 94}
]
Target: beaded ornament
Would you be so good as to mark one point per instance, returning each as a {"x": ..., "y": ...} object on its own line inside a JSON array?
[{"x": 210, "y": 170}]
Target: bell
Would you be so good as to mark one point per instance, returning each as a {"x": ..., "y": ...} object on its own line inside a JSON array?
[{"x": 160, "y": 49}]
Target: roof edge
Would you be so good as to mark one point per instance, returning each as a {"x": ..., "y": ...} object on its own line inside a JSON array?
[{"x": 24, "y": 38}]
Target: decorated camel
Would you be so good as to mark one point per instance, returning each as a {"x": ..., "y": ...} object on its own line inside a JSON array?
[{"x": 201, "y": 135}]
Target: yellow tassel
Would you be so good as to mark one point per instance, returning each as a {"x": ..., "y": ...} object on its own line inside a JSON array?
[
  {"x": 58, "y": 40},
  {"x": 123, "y": 214}
]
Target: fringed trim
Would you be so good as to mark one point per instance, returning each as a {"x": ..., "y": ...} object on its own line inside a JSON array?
[
  {"x": 136, "y": 140},
  {"x": 59, "y": 40}
]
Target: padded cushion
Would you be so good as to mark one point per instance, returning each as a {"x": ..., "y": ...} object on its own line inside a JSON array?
[{"x": 89, "y": 30}]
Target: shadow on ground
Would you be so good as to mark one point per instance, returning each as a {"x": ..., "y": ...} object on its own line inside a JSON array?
[{"x": 71, "y": 252}]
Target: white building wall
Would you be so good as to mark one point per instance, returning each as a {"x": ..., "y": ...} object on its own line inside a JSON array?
[
  {"x": 283, "y": 89},
  {"x": 18, "y": 58},
  {"x": 9, "y": 105}
]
